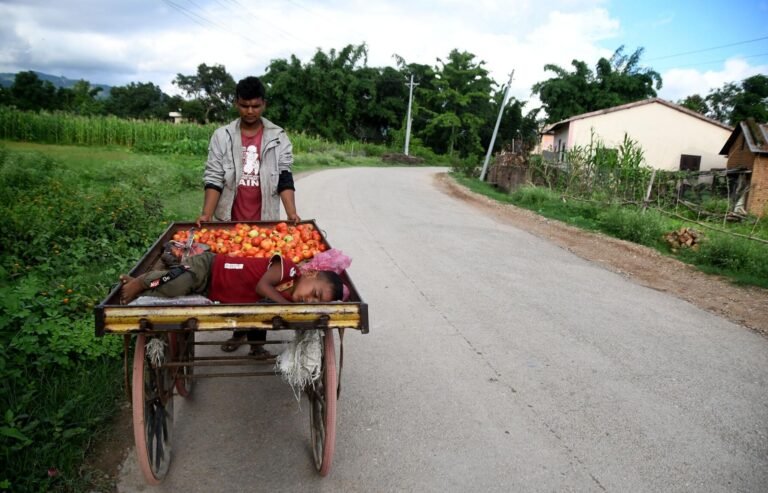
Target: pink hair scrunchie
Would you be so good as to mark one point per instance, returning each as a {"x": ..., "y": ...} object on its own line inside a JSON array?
[{"x": 334, "y": 260}]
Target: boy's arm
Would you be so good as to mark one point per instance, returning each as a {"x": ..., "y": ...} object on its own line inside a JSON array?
[{"x": 266, "y": 285}]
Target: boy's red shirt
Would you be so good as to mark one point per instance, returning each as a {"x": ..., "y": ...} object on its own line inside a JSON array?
[
  {"x": 234, "y": 280},
  {"x": 247, "y": 204}
]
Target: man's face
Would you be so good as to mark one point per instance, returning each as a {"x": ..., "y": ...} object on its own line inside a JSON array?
[
  {"x": 311, "y": 289},
  {"x": 250, "y": 109}
]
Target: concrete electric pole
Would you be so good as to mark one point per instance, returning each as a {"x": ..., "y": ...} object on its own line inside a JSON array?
[
  {"x": 408, "y": 122},
  {"x": 496, "y": 129}
]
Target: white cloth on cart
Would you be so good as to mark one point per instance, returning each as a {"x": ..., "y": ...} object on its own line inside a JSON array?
[{"x": 300, "y": 363}]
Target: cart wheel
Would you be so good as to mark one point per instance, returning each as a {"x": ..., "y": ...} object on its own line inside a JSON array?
[
  {"x": 183, "y": 351},
  {"x": 152, "y": 412},
  {"x": 322, "y": 408}
]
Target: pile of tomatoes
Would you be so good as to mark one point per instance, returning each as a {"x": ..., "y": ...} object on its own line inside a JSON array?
[{"x": 298, "y": 243}]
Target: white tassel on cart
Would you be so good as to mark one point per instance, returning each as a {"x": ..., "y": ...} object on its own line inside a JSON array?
[
  {"x": 300, "y": 363},
  {"x": 155, "y": 350}
]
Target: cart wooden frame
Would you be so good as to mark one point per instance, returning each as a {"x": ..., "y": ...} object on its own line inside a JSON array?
[{"x": 169, "y": 367}]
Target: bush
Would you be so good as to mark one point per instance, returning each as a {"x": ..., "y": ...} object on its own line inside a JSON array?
[
  {"x": 467, "y": 167},
  {"x": 533, "y": 197},
  {"x": 185, "y": 146},
  {"x": 65, "y": 240},
  {"x": 632, "y": 225},
  {"x": 734, "y": 254}
]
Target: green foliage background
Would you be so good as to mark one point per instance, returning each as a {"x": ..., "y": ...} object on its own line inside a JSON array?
[{"x": 68, "y": 232}]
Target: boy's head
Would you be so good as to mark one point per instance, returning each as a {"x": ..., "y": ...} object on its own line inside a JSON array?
[
  {"x": 318, "y": 286},
  {"x": 249, "y": 99},
  {"x": 250, "y": 88}
]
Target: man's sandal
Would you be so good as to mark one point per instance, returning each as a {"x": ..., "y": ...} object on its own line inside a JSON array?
[
  {"x": 259, "y": 352},
  {"x": 232, "y": 344}
]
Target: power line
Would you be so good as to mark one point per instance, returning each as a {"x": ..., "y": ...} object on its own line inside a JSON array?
[
  {"x": 708, "y": 49},
  {"x": 716, "y": 61},
  {"x": 270, "y": 24},
  {"x": 203, "y": 21}
]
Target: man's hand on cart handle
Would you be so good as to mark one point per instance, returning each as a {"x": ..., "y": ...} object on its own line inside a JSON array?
[
  {"x": 203, "y": 218},
  {"x": 294, "y": 218}
]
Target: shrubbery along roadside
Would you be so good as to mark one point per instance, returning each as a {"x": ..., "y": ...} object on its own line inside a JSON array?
[{"x": 65, "y": 241}]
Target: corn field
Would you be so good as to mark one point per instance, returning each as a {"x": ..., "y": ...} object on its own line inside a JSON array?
[
  {"x": 146, "y": 136},
  {"x": 67, "y": 129}
]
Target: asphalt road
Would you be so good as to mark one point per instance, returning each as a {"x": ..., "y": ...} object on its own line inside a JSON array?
[{"x": 496, "y": 361}]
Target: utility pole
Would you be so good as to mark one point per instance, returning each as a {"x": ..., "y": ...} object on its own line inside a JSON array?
[
  {"x": 411, "y": 85},
  {"x": 496, "y": 128}
]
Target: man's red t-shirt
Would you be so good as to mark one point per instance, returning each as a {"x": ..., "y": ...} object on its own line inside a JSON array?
[
  {"x": 247, "y": 206},
  {"x": 234, "y": 280}
]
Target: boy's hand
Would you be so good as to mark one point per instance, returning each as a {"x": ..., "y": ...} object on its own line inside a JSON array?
[
  {"x": 294, "y": 218},
  {"x": 203, "y": 218}
]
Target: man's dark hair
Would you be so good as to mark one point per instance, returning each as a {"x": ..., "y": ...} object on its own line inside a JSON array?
[
  {"x": 337, "y": 285},
  {"x": 250, "y": 88}
]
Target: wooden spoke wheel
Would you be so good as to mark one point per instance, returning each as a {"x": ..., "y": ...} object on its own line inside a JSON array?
[
  {"x": 152, "y": 395},
  {"x": 322, "y": 408},
  {"x": 183, "y": 351}
]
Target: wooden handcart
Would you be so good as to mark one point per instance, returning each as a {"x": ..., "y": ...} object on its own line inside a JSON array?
[{"x": 169, "y": 366}]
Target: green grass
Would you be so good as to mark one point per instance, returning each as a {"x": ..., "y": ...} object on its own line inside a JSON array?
[
  {"x": 740, "y": 260},
  {"x": 180, "y": 175}
]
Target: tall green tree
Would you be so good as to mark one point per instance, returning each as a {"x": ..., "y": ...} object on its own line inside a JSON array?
[
  {"x": 735, "y": 102},
  {"x": 213, "y": 87},
  {"x": 695, "y": 103},
  {"x": 335, "y": 95},
  {"x": 29, "y": 92},
  {"x": 720, "y": 101},
  {"x": 458, "y": 105},
  {"x": 81, "y": 99},
  {"x": 615, "y": 81},
  {"x": 142, "y": 100}
]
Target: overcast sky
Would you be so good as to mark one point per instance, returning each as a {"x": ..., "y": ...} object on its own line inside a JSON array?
[{"x": 120, "y": 41}]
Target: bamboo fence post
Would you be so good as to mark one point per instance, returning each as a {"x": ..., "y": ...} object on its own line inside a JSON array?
[{"x": 648, "y": 192}]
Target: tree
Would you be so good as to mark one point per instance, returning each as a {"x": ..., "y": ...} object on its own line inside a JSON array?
[
  {"x": 28, "y": 92},
  {"x": 720, "y": 102},
  {"x": 695, "y": 103},
  {"x": 81, "y": 99},
  {"x": 142, "y": 100},
  {"x": 213, "y": 87},
  {"x": 615, "y": 81},
  {"x": 457, "y": 102},
  {"x": 735, "y": 102},
  {"x": 752, "y": 100},
  {"x": 336, "y": 95}
]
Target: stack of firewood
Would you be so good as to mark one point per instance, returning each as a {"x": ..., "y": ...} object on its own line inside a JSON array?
[{"x": 683, "y": 238}]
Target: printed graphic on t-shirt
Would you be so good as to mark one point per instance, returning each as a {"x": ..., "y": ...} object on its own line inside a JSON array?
[{"x": 251, "y": 165}]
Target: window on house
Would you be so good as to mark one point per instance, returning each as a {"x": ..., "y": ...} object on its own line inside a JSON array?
[{"x": 689, "y": 162}]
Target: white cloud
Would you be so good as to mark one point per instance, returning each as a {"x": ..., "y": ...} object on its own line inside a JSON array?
[
  {"x": 150, "y": 41},
  {"x": 682, "y": 82}
]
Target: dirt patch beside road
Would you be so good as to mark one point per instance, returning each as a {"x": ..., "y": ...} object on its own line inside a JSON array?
[{"x": 744, "y": 305}]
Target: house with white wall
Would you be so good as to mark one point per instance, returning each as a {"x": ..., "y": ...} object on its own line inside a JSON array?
[{"x": 672, "y": 137}]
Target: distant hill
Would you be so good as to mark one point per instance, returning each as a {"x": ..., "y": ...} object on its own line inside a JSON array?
[{"x": 6, "y": 80}]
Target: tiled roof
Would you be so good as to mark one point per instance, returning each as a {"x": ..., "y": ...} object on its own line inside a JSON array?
[
  {"x": 755, "y": 136},
  {"x": 635, "y": 104}
]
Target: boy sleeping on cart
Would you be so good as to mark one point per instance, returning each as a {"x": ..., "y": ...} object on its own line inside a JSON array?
[{"x": 226, "y": 279}]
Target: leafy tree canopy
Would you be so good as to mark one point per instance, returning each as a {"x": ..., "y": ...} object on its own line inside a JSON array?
[
  {"x": 28, "y": 92},
  {"x": 615, "y": 81},
  {"x": 142, "y": 100},
  {"x": 734, "y": 102},
  {"x": 695, "y": 103},
  {"x": 213, "y": 87}
]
